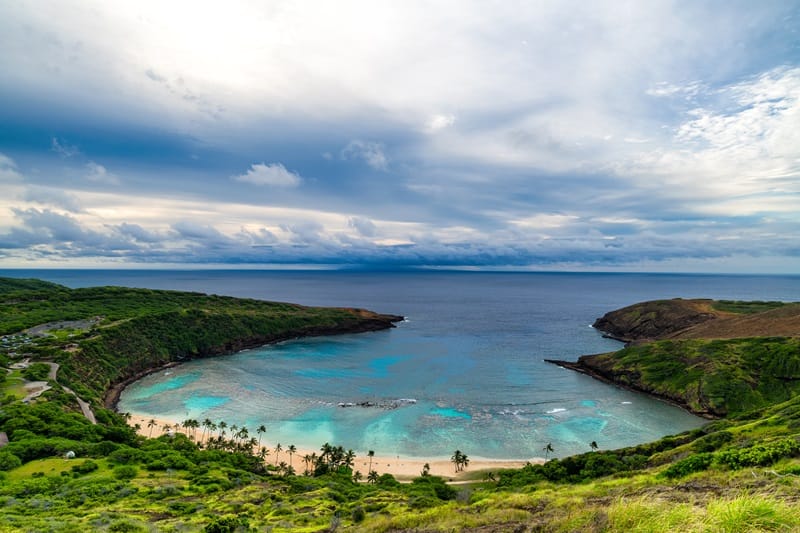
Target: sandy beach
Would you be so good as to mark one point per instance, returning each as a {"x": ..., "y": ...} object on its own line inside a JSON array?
[{"x": 402, "y": 468}]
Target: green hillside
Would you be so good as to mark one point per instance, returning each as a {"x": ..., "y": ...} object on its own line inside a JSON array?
[{"x": 740, "y": 472}]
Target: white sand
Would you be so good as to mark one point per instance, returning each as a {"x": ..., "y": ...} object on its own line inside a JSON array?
[{"x": 399, "y": 466}]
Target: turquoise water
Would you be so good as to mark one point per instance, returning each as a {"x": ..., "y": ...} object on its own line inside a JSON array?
[{"x": 470, "y": 355}]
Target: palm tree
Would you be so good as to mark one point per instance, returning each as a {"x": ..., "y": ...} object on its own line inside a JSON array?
[
  {"x": 593, "y": 446},
  {"x": 150, "y": 423},
  {"x": 278, "y": 449},
  {"x": 307, "y": 460},
  {"x": 372, "y": 477},
  {"x": 194, "y": 425},
  {"x": 426, "y": 470},
  {"x": 206, "y": 426},
  {"x": 222, "y": 426},
  {"x": 370, "y": 454},
  {"x": 349, "y": 458},
  {"x": 456, "y": 459},
  {"x": 357, "y": 477},
  {"x": 464, "y": 461},
  {"x": 292, "y": 450},
  {"x": 548, "y": 450},
  {"x": 261, "y": 430}
]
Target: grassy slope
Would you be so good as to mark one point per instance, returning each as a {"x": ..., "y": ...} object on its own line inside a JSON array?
[
  {"x": 727, "y": 358},
  {"x": 132, "y": 330},
  {"x": 737, "y": 474}
]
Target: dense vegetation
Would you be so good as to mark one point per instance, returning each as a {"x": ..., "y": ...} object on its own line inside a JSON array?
[
  {"x": 741, "y": 473},
  {"x": 122, "y": 332},
  {"x": 718, "y": 377}
]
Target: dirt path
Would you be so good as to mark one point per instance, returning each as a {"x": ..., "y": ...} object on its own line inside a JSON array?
[{"x": 38, "y": 387}]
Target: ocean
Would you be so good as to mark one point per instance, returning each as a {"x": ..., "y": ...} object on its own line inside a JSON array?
[{"x": 464, "y": 371}]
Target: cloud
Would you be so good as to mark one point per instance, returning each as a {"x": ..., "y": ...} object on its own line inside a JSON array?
[
  {"x": 8, "y": 170},
  {"x": 273, "y": 174},
  {"x": 138, "y": 233},
  {"x": 372, "y": 153},
  {"x": 51, "y": 196},
  {"x": 363, "y": 226},
  {"x": 99, "y": 174},
  {"x": 439, "y": 122},
  {"x": 737, "y": 154},
  {"x": 525, "y": 133},
  {"x": 153, "y": 75},
  {"x": 62, "y": 148}
]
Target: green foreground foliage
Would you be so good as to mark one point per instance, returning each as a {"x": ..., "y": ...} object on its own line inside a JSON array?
[{"x": 741, "y": 473}]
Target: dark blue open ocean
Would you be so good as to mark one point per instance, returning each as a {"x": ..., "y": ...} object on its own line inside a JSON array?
[{"x": 469, "y": 358}]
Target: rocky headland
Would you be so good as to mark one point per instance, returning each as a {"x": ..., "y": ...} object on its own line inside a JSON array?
[{"x": 714, "y": 358}]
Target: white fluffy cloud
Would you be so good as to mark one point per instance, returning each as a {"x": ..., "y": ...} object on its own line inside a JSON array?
[{"x": 273, "y": 174}]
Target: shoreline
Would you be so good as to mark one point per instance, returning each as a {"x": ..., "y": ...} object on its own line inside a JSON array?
[
  {"x": 578, "y": 366},
  {"x": 401, "y": 467},
  {"x": 381, "y": 322}
]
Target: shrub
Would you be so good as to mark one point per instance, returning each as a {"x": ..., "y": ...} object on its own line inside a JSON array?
[
  {"x": 85, "y": 468},
  {"x": 126, "y": 472},
  {"x": 759, "y": 454},
  {"x": 227, "y": 524},
  {"x": 712, "y": 441},
  {"x": 36, "y": 372},
  {"x": 9, "y": 461},
  {"x": 694, "y": 463},
  {"x": 359, "y": 514}
]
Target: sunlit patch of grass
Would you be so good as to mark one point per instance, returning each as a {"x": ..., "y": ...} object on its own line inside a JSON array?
[
  {"x": 13, "y": 385},
  {"x": 751, "y": 513},
  {"x": 49, "y": 467},
  {"x": 648, "y": 515}
]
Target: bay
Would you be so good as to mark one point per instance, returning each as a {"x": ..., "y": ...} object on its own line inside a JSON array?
[{"x": 465, "y": 370}]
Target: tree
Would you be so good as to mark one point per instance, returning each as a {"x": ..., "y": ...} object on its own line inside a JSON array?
[
  {"x": 464, "y": 461},
  {"x": 150, "y": 424},
  {"x": 349, "y": 458},
  {"x": 206, "y": 426},
  {"x": 370, "y": 454},
  {"x": 357, "y": 477},
  {"x": 372, "y": 477},
  {"x": 426, "y": 470},
  {"x": 261, "y": 430},
  {"x": 593, "y": 445},
  {"x": 548, "y": 450},
  {"x": 194, "y": 424},
  {"x": 278, "y": 449},
  {"x": 292, "y": 450},
  {"x": 456, "y": 459}
]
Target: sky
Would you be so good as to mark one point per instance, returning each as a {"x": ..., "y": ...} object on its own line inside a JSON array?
[{"x": 532, "y": 135}]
